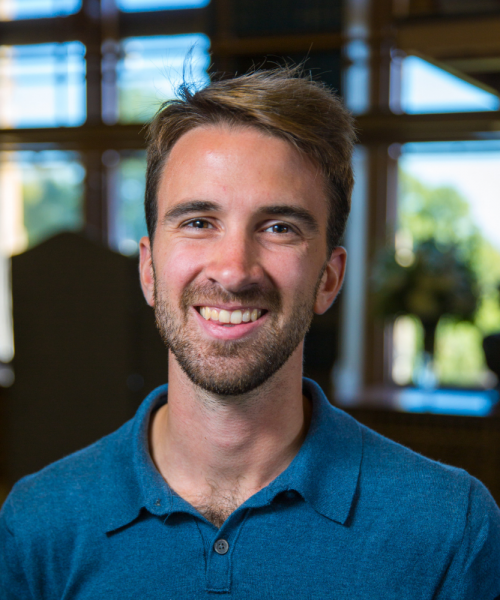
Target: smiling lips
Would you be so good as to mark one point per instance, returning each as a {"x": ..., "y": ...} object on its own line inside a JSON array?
[{"x": 235, "y": 317}]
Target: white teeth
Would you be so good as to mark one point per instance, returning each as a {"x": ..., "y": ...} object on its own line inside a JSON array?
[
  {"x": 225, "y": 316},
  {"x": 236, "y": 317}
]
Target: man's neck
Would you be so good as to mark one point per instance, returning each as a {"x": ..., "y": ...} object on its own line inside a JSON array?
[{"x": 216, "y": 452}]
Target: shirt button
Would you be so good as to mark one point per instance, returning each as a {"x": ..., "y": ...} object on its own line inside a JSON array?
[{"x": 221, "y": 546}]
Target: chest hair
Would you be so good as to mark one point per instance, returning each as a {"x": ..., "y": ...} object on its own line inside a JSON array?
[{"x": 217, "y": 507}]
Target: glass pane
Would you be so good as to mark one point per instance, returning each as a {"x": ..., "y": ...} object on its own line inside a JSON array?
[
  {"x": 449, "y": 193},
  {"x": 40, "y": 194},
  {"x": 42, "y": 85},
  {"x": 151, "y": 68},
  {"x": 32, "y": 9},
  {"x": 356, "y": 88},
  {"x": 427, "y": 89},
  {"x": 137, "y": 5},
  {"x": 128, "y": 224}
]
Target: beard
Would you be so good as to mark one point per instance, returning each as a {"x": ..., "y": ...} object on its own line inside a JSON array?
[{"x": 235, "y": 367}]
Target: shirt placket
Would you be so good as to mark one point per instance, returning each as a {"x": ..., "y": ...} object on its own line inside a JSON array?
[{"x": 221, "y": 545}]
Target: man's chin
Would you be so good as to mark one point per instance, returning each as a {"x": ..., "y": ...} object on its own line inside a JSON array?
[{"x": 225, "y": 376}]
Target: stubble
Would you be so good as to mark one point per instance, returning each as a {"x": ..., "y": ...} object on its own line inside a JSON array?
[{"x": 236, "y": 367}]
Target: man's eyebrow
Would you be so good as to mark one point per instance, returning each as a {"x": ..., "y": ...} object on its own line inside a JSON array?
[
  {"x": 278, "y": 210},
  {"x": 295, "y": 212},
  {"x": 189, "y": 207}
]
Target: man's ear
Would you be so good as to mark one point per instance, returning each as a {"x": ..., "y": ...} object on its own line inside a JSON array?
[
  {"x": 331, "y": 281},
  {"x": 146, "y": 270}
]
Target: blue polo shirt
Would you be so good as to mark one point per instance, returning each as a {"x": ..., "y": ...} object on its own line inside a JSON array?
[{"x": 354, "y": 516}]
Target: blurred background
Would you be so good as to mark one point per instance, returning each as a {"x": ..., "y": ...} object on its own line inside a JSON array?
[{"x": 412, "y": 346}]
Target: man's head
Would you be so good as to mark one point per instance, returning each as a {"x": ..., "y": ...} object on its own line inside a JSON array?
[
  {"x": 282, "y": 102},
  {"x": 240, "y": 215}
]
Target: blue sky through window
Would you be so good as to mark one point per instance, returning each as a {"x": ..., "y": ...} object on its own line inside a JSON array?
[
  {"x": 32, "y": 9},
  {"x": 428, "y": 89},
  {"x": 43, "y": 85},
  {"x": 472, "y": 168},
  {"x": 151, "y": 69},
  {"x": 139, "y": 5}
]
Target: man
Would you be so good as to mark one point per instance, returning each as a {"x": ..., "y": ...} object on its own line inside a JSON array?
[{"x": 240, "y": 479}]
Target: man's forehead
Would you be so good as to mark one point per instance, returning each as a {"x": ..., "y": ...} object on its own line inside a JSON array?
[{"x": 221, "y": 159}]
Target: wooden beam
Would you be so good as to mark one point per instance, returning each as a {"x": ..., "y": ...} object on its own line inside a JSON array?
[
  {"x": 41, "y": 31},
  {"x": 164, "y": 22},
  {"x": 374, "y": 129},
  {"x": 73, "y": 27},
  {"x": 87, "y": 137},
  {"x": 463, "y": 37}
]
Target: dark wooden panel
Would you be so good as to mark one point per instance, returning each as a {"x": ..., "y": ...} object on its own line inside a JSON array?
[
  {"x": 253, "y": 17},
  {"x": 165, "y": 22},
  {"x": 87, "y": 349},
  {"x": 325, "y": 66}
]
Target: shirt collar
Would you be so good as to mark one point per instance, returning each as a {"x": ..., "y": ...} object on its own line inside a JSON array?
[
  {"x": 129, "y": 469},
  {"x": 325, "y": 471}
]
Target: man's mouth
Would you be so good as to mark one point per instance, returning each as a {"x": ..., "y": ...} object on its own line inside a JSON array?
[{"x": 230, "y": 317}]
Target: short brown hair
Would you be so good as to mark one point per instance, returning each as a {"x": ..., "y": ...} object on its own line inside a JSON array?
[{"x": 284, "y": 102}]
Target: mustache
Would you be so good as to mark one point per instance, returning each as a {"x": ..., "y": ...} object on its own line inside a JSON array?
[{"x": 206, "y": 294}]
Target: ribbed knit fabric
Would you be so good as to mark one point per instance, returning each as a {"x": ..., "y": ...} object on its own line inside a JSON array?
[{"x": 355, "y": 516}]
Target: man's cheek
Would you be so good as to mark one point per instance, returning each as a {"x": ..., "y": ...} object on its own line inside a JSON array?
[{"x": 181, "y": 266}]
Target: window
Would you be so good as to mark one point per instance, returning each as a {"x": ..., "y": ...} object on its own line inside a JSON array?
[
  {"x": 448, "y": 192},
  {"x": 138, "y": 5},
  {"x": 32, "y": 9},
  {"x": 42, "y": 85},
  {"x": 426, "y": 88},
  {"x": 41, "y": 194},
  {"x": 151, "y": 68},
  {"x": 128, "y": 223}
]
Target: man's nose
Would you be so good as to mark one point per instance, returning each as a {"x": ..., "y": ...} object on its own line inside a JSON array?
[{"x": 233, "y": 263}]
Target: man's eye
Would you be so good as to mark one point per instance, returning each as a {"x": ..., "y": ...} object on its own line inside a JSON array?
[
  {"x": 199, "y": 224},
  {"x": 279, "y": 228}
]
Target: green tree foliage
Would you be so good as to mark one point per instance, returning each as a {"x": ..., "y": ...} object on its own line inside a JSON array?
[
  {"x": 131, "y": 223},
  {"x": 52, "y": 201},
  {"x": 440, "y": 213},
  {"x": 443, "y": 214},
  {"x": 136, "y": 105}
]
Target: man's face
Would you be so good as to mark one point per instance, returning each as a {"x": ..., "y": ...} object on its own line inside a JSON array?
[{"x": 239, "y": 259}]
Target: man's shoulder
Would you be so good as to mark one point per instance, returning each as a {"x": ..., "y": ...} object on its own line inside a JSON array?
[
  {"x": 390, "y": 476},
  {"x": 70, "y": 488},
  {"x": 388, "y": 466},
  {"x": 403, "y": 485}
]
